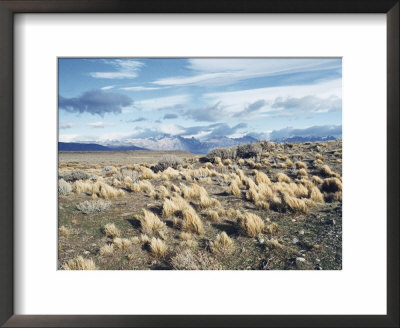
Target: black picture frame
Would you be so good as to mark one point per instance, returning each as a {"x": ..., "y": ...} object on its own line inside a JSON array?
[{"x": 10, "y": 7}]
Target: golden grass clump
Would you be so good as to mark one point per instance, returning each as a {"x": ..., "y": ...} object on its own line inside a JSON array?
[
  {"x": 294, "y": 203},
  {"x": 122, "y": 243},
  {"x": 186, "y": 236},
  {"x": 150, "y": 222},
  {"x": 147, "y": 173},
  {"x": 282, "y": 177},
  {"x": 302, "y": 173},
  {"x": 217, "y": 160},
  {"x": 64, "y": 231},
  {"x": 272, "y": 228},
  {"x": 263, "y": 204},
  {"x": 162, "y": 192},
  {"x": 331, "y": 185},
  {"x": 158, "y": 248},
  {"x": 326, "y": 171},
  {"x": 144, "y": 239},
  {"x": 252, "y": 194},
  {"x": 261, "y": 177},
  {"x": 79, "y": 263},
  {"x": 209, "y": 165},
  {"x": 81, "y": 186},
  {"x": 189, "y": 243},
  {"x": 222, "y": 243},
  {"x": 251, "y": 224},
  {"x": 316, "y": 179},
  {"x": 289, "y": 163},
  {"x": 316, "y": 195},
  {"x": 212, "y": 215},
  {"x": 301, "y": 165},
  {"x": 227, "y": 161},
  {"x": 107, "y": 250},
  {"x": 234, "y": 188},
  {"x": 106, "y": 191},
  {"x": 110, "y": 230},
  {"x": 319, "y": 156},
  {"x": 206, "y": 202},
  {"x": 191, "y": 221}
]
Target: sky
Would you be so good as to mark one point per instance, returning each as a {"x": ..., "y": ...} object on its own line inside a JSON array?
[{"x": 117, "y": 99}]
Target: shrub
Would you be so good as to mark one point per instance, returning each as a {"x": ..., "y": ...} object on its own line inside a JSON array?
[
  {"x": 79, "y": 263},
  {"x": 332, "y": 185},
  {"x": 157, "y": 247},
  {"x": 150, "y": 222},
  {"x": 221, "y": 153},
  {"x": 249, "y": 150},
  {"x": 252, "y": 225},
  {"x": 74, "y": 176},
  {"x": 88, "y": 207},
  {"x": 167, "y": 161},
  {"x": 64, "y": 188},
  {"x": 111, "y": 230}
]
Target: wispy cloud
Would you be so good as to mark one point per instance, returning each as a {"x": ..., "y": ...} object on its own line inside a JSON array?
[
  {"x": 66, "y": 125},
  {"x": 229, "y": 71},
  {"x": 169, "y": 102},
  {"x": 108, "y": 87},
  {"x": 99, "y": 124},
  {"x": 139, "y": 119},
  {"x": 123, "y": 69},
  {"x": 210, "y": 113},
  {"x": 95, "y": 102},
  {"x": 140, "y": 88}
]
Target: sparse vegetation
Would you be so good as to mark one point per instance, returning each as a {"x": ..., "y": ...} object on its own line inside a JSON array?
[{"x": 256, "y": 206}]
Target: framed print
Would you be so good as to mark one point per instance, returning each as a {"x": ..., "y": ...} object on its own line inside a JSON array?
[{"x": 204, "y": 164}]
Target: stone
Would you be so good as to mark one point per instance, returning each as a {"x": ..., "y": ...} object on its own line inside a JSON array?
[
  {"x": 301, "y": 232},
  {"x": 300, "y": 260},
  {"x": 295, "y": 240}
]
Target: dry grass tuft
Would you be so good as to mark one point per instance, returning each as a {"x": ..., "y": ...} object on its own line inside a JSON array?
[
  {"x": 293, "y": 203},
  {"x": 110, "y": 230},
  {"x": 261, "y": 177},
  {"x": 144, "y": 239},
  {"x": 63, "y": 231},
  {"x": 186, "y": 236},
  {"x": 150, "y": 222},
  {"x": 222, "y": 243},
  {"x": 316, "y": 195},
  {"x": 272, "y": 228},
  {"x": 301, "y": 165},
  {"x": 188, "y": 260},
  {"x": 212, "y": 215},
  {"x": 158, "y": 248},
  {"x": 107, "y": 250},
  {"x": 302, "y": 172},
  {"x": 191, "y": 221},
  {"x": 252, "y": 225},
  {"x": 79, "y": 263},
  {"x": 234, "y": 188},
  {"x": 147, "y": 174},
  {"x": 316, "y": 179},
  {"x": 122, "y": 243},
  {"x": 273, "y": 243},
  {"x": 282, "y": 177}
]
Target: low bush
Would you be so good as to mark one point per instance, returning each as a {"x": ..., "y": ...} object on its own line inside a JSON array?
[{"x": 167, "y": 161}]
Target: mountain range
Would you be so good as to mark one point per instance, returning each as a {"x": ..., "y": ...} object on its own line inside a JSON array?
[{"x": 168, "y": 142}]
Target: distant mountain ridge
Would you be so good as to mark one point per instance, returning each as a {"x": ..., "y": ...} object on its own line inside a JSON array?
[
  {"x": 77, "y": 146},
  {"x": 168, "y": 142}
]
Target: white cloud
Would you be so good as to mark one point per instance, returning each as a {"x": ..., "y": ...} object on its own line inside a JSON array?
[
  {"x": 66, "y": 125},
  {"x": 99, "y": 124},
  {"x": 234, "y": 102},
  {"x": 229, "y": 71},
  {"x": 123, "y": 69},
  {"x": 139, "y": 88},
  {"x": 170, "y": 102},
  {"x": 68, "y": 137},
  {"x": 108, "y": 87}
]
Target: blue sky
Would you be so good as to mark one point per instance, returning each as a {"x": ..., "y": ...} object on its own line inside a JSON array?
[{"x": 122, "y": 99}]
